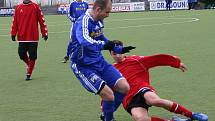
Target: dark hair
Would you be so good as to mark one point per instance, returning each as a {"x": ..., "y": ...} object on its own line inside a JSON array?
[
  {"x": 101, "y": 3},
  {"x": 118, "y": 42}
]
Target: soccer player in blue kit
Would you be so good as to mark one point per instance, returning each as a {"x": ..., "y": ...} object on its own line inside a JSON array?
[
  {"x": 89, "y": 66},
  {"x": 76, "y": 9}
]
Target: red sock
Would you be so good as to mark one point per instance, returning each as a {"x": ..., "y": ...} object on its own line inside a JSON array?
[
  {"x": 26, "y": 60},
  {"x": 178, "y": 109},
  {"x": 31, "y": 67},
  {"x": 153, "y": 118}
]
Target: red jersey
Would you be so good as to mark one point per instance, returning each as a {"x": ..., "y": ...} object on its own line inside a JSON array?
[
  {"x": 25, "y": 22},
  {"x": 136, "y": 71}
]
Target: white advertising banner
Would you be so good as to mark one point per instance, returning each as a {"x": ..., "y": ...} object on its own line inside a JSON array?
[
  {"x": 6, "y": 11},
  {"x": 134, "y": 6},
  {"x": 161, "y": 5}
]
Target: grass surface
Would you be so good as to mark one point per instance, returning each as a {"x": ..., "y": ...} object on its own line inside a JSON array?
[{"x": 55, "y": 94}]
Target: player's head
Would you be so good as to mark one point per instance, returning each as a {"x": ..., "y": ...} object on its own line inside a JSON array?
[
  {"x": 26, "y": 1},
  {"x": 117, "y": 57},
  {"x": 101, "y": 9}
]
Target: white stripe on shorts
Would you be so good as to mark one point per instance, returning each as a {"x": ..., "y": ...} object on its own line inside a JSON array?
[{"x": 86, "y": 81}]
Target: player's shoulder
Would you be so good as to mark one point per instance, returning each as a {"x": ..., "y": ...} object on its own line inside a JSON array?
[
  {"x": 74, "y": 2},
  {"x": 34, "y": 4},
  {"x": 87, "y": 16},
  {"x": 20, "y": 5},
  {"x": 85, "y": 2}
]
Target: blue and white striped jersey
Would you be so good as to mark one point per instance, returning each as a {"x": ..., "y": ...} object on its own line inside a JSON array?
[
  {"x": 87, "y": 42},
  {"x": 76, "y": 9}
]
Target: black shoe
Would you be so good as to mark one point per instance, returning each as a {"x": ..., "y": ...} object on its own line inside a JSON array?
[
  {"x": 65, "y": 59},
  {"x": 28, "y": 77},
  {"x": 102, "y": 118}
]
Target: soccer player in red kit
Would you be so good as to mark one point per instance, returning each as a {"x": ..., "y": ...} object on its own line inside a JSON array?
[
  {"x": 141, "y": 94},
  {"x": 25, "y": 25}
]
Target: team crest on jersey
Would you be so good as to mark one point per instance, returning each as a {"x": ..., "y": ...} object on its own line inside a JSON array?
[
  {"x": 96, "y": 34},
  {"x": 80, "y": 8},
  {"x": 94, "y": 78},
  {"x": 92, "y": 34}
]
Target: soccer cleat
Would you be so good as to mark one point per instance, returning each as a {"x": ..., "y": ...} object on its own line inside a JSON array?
[
  {"x": 199, "y": 116},
  {"x": 102, "y": 118},
  {"x": 28, "y": 77},
  {"x": 65, "y": 59},
  {"x": 175, "y": 118}
]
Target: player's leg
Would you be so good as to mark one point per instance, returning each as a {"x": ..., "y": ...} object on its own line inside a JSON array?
[
  {"x": 66, "y": 57},
  {"x": 189, "y": 5},
  {"x": 139, "y": 109},
  {"x": 91, "y": 81},
  {"x": 167, "y": 4},
  {"x": 22, "y": 51},
  {"x": 118, "y": 99},
  {"x": 107, "y": 103},
  {"x": 115, "y": 81},
  {"x": 121, "y": 88},
  {"x": 140, "y": 114},
  {"x": 32, "y": 51},
  {"x": 154, "y": 100}
]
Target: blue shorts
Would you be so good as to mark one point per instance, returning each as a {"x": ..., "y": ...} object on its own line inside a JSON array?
[{"x": 94, "y": 80}]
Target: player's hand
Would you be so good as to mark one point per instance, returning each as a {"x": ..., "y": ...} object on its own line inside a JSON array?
[
  {"x": 13, "y": 38},
  {"x": 45, "y": 37},
  {"x": 109, "y": 45},
  {"x": 127, "y": 49},
  {"x": 183, "y": 67}
]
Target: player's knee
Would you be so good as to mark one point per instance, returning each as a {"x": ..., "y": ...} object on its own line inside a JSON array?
[
  {"x": 33, "y": 57},
  {"x": 107, "y": 94},
  {"x": 127, "y": 88},
  {"x": 22, "y": 56},
  {"x": 140, "y": 117},
  {"x": 123, "y": 86},
  {"x": 109, "y": 97}
]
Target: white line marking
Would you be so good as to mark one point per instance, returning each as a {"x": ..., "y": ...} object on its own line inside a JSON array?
[
  {"x": 135, "y": 26},
  {"x": 159, "y": 24}
]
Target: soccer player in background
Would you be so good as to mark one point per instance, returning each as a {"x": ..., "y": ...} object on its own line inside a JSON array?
[
  {"x": 142, "y": 95},
  {"x": 168, "y": 4},
  {"x": 87, "y": 62},
  {"x": 190, "y": 4},
  {"x": 25, "y": 25},
  {"x": 76, "y": 9}
]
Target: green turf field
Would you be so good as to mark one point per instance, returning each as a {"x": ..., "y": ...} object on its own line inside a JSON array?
[{"x": 55, "y": 94}]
